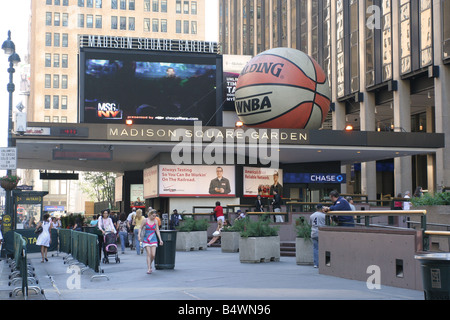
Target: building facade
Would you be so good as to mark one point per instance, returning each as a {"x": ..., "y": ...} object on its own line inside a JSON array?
[
  {"x": 388, "y": 66},
  {"x": 55, "y": 26}
]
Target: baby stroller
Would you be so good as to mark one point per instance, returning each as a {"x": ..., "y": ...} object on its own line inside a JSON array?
[{"x": 110, "y": 247}]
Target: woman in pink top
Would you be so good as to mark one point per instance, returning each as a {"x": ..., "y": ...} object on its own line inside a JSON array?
[{"x": 149, "y": 240}]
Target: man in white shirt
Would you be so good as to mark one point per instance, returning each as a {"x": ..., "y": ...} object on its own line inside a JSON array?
[{"x": 316, "y": 220}]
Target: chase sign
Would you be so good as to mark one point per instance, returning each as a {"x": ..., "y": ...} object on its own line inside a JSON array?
[{"x": 314, "y": 178}]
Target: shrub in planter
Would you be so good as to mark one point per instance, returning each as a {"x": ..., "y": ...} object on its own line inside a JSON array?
[
  {"x": 259, "y": 242},
  {"x": 432, "y": 199},
  {"x": 231, "y": 234},
  {"x": 192, "y": 235},
  {"x": 303, "y": 242}
]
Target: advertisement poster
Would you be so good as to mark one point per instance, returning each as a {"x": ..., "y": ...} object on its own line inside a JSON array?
[
  {"x": 151, "y": 182},
  {"x": 262, "y": 181},
  {"x": 196, "y": 181},
  {"x": 137, "y": 196}
]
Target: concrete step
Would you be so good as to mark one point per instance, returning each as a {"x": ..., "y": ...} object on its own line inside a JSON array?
[{"x": 287, "y": 249}]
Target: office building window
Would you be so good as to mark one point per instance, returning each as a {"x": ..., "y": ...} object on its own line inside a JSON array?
[
  {"x": 186, "y": 7},
  {"x": 178, "y": 26},
  {"x": 426, "y": 33},
  {"x": 185, "y": 27},
  {"x": 80, "y": 20},
  {"x": 163, "y": 25},
  {"x": 63, "y": 120},
  {"x": 194, "y": 7},
  {"x": 48, "y": 18},
  {"x": 46, "y": 119},
  {"x": 89, "y": 3},
  {"x": 114, "y": 22},
  {"x": 65, "y": 3},
  {"x": 64, "y": 102},
  {"x": 131, "y": 5},
  {"x": 57, "y": 2},
  {"x": 56, "y": 39},
  {"x": 123, "y": 4},
  {"x": 55, "y": 120},
  {"x": 56, "y": 60},
  {"x": 89, "y": 21},
  {"x": 386, "y": 40},
  {"x": 65, "y": 20},
  {"x": 340, "y": 65},
  {"x": 155, "y": 25},
  {"x": 48, "y": 2},
  {"x": 405, "y": 36},
  {"x": 56, "y": 81},
  {"x": 131, "y": 23},
  {"x": 178, "y": 6},
  {"x": 155, "y": 5},
  {"x": 48, "y": 81},
  {"x": 57, "y": 19},
  {"x": 98, "y": 4},
  {"x": 47, "y": 101},
  {"x": 81, "y": 3},
  {"x": 446, "y": 29},
  {"x": 123, "y": 23},
  {"x": 98, "y": 22},
  {"x": 193, "y": 27},
  {"x": 164, "y": 6},
  {"x": 48, "y": 39},
  {"x": 65, "y": 40},
  {"x": 146, "y": 5},
  {"x": 64, "y": 81},
  {"x": 55, "y": 102},
  {"x": 65, "y": 61},
  {"x": 113, "y": 4},
  {"x": 146, "y": 24},
  {"x": 48, "y": 60}
]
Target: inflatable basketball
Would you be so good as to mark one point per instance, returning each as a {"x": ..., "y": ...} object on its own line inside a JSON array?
[{"x": 282, "y": 88}]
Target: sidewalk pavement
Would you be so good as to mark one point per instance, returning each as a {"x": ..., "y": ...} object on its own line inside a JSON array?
[{"x": 198, "y": 275}]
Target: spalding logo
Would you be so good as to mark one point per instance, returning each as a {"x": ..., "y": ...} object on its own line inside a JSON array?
[
  {"x": 253, "y": 104},
  {"x": 274, "y": 69}
]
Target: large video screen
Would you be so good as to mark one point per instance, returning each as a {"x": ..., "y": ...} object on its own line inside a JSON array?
[{"x": 151, "y": 88}]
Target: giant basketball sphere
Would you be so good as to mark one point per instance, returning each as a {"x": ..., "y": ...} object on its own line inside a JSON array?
[{"x": 282, "y": 88}]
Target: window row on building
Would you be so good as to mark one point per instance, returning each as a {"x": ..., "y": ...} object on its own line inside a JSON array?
[
  {"x": 181, "y": 6},
  {"x": 59, "y": 81},
  {"x": 56, "y": 60},
  {"x": 55, "y": 102},
  {"x": 55, "y": 119}
]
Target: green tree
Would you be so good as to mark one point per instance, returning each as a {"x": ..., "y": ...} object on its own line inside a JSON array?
[{"x": 99, "y": 186}]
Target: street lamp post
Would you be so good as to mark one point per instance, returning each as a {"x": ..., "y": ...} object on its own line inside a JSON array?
[{"x": 14, "y": 59}]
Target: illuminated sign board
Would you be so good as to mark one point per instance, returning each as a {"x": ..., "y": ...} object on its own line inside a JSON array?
[{"x": 315, "y": 178}]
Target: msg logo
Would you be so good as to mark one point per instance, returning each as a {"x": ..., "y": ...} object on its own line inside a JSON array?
[{"x": 109, "y": 110}]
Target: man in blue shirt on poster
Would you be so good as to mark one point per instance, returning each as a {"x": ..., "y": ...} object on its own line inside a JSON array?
[{"x": 340, "y": 204}]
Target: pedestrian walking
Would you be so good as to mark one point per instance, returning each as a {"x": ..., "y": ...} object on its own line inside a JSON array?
[
  {"x": 276, "y": 203},
  {"x": 150, "y": 238},
  {"x": 44, "y": 239},
  {"x": 316, "y": 220},
  {"x": 122, "y": 227},
  {"x": 137, "y": 222}
]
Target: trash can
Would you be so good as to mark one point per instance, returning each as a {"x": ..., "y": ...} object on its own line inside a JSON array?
[
  {"x": 435, "y": 275},
  {"x": 165, "y": 254}
]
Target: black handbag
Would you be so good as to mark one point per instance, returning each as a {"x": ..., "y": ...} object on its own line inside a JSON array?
[{"x": 38, "y": 230}]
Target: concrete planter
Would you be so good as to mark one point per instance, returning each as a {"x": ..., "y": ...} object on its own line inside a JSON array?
[
  {"x": 230, "y": 241},
  {"x": 259, "y": 249},
  {"x": 304, "y": 251},
  {"x": 192, "y": 241}
]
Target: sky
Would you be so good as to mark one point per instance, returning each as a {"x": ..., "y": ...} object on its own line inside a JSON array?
[{"x": 14, "y": 16}]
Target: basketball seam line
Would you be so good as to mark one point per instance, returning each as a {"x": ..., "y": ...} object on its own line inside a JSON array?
[
  {"x": 297, "y": 66},
  {"x": 283, "y": 85}
]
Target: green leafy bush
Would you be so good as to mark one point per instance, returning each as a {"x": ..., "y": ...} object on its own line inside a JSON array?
[
  {"x": 432, "y": 199},
  {"x": 303, "y": 228},
  {"x": 260, "y": 228},
  {"x": 191, "y": 224},
  {"x": 238, "y": 226}
]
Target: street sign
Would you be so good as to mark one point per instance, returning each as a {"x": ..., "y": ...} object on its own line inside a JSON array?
[{"x": 8, "y": 158}]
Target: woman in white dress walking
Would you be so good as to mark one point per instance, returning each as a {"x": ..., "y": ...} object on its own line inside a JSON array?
[{"x": 44, "y": 238}]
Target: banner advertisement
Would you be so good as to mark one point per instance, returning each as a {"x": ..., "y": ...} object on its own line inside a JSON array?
[
  {"x": 262, "y": 181},
  {"x": 137, "y": 196},
  {"x": 151, "y": 182},
  {"x": 196, "y": 181}
]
